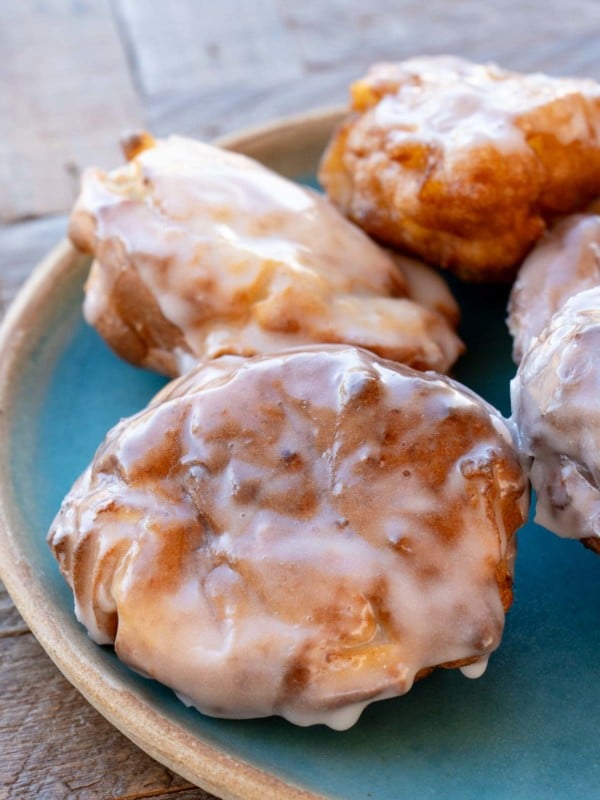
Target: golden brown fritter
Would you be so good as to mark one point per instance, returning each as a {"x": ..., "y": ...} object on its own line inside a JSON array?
[
  {"x": 298, "y": 534},
  {"x": 200, "y": 252},
  {"x": 464, "y": 164}
]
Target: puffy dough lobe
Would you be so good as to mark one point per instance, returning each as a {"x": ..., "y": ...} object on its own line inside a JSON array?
[
  {"x": 556, "y": 411},
  {"x": 200, "y": 252},
  {"x": 426, "y": 286},
  {"x": 297, "y": 534},
  {"x": 464, "y": 164},
  {"x": 565, "y": 261}
]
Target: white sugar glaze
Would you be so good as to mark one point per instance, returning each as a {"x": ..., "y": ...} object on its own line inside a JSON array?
[
  {"x": 241, "y": 260},
  {"x": 457, "y": 105},
  {"x": 566, "y": 261},
  {"x": 555, "y": 408},
  {"x": 298, "y": 534}
]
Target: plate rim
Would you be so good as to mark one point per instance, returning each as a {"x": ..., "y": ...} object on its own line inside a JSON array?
[{"x": 168, "y": 742}]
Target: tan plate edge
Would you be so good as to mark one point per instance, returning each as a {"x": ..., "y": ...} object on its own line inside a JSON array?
[
  {"x": 260, "y": 140},
  {"x": 296, "y": 141}
]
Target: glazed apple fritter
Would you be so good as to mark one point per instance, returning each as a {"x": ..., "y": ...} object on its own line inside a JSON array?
[
  {"x": 200, "y": 252},
  {"x": 555, "y": 408},
  {"x": 564, "y": 262},
  {"x": 464, "y": 164},
  {"x": 299, "y": 534}
]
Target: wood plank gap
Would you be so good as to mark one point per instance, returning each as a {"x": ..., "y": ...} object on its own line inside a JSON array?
[
  {"x": 128, "y": 43},
  {"x": 163, "y": 792},
  {"x": 17, "y": 631},
  {"x": 67, "y": 95}
]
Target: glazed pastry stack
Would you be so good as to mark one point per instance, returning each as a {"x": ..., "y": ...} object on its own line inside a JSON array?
[
  {"x": 556, "y": 388},
  {"x": 303, "y": 522}
]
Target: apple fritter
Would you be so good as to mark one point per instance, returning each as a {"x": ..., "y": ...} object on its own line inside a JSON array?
[
  {"x": 564, "y": 262},
  {"x": 200, "y": 252},
  {"x": 555, "y": 408},
  {"x": 464, "y": 164},
  {"x": 299, "y": 534}
]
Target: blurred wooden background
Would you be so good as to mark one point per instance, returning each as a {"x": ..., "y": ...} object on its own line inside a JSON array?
[{"x": 75, "y": 74}]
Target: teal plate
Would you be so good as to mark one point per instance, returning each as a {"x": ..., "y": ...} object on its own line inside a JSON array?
[{"x": 526, "y": 729}]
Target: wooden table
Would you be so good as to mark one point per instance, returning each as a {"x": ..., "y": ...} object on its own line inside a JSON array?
[{"x": 73, "y": 75}]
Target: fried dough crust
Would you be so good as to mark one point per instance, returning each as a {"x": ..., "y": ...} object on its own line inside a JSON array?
[
  {"x": 554, "y": 398},
  {"x": 464, "y": 164},
  {"x": 200, "y": 252},
  {"x": 298, "y": 534},
  {"x": 564, "y": 262}
]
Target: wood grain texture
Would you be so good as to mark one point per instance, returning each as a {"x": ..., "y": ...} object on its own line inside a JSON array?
[
  {"x": 58, "y": 747},
  {"x": 327, "y": 44},
  {"x": 177, "y": 48},
  {"x": 11, "y": 623},
  {"x": 510, "y": 31},
  {"x": 22, "y": 246},
  {"x": 66, "y": 96},
  {"x": 80, "y": 72}
]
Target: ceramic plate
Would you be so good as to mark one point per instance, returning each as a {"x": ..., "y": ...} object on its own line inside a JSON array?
[{"x": 527, "y": 728}]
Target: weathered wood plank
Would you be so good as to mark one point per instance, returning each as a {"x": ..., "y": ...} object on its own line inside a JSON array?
[
  {"x": 55, "y": 746},
  {"x": 552, "y": 42},
  {"x": 11, "y": 623},
  {"x": 208, "y": 114},
  {"x": 330, "y": 33},
  {"x": 186, "y": 46},
  {"x": 22, "y": 246},
  {"x": 66, "y": 96}
]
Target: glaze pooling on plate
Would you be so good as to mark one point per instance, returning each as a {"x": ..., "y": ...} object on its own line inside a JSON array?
[{"x": 299, "y": 534}]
